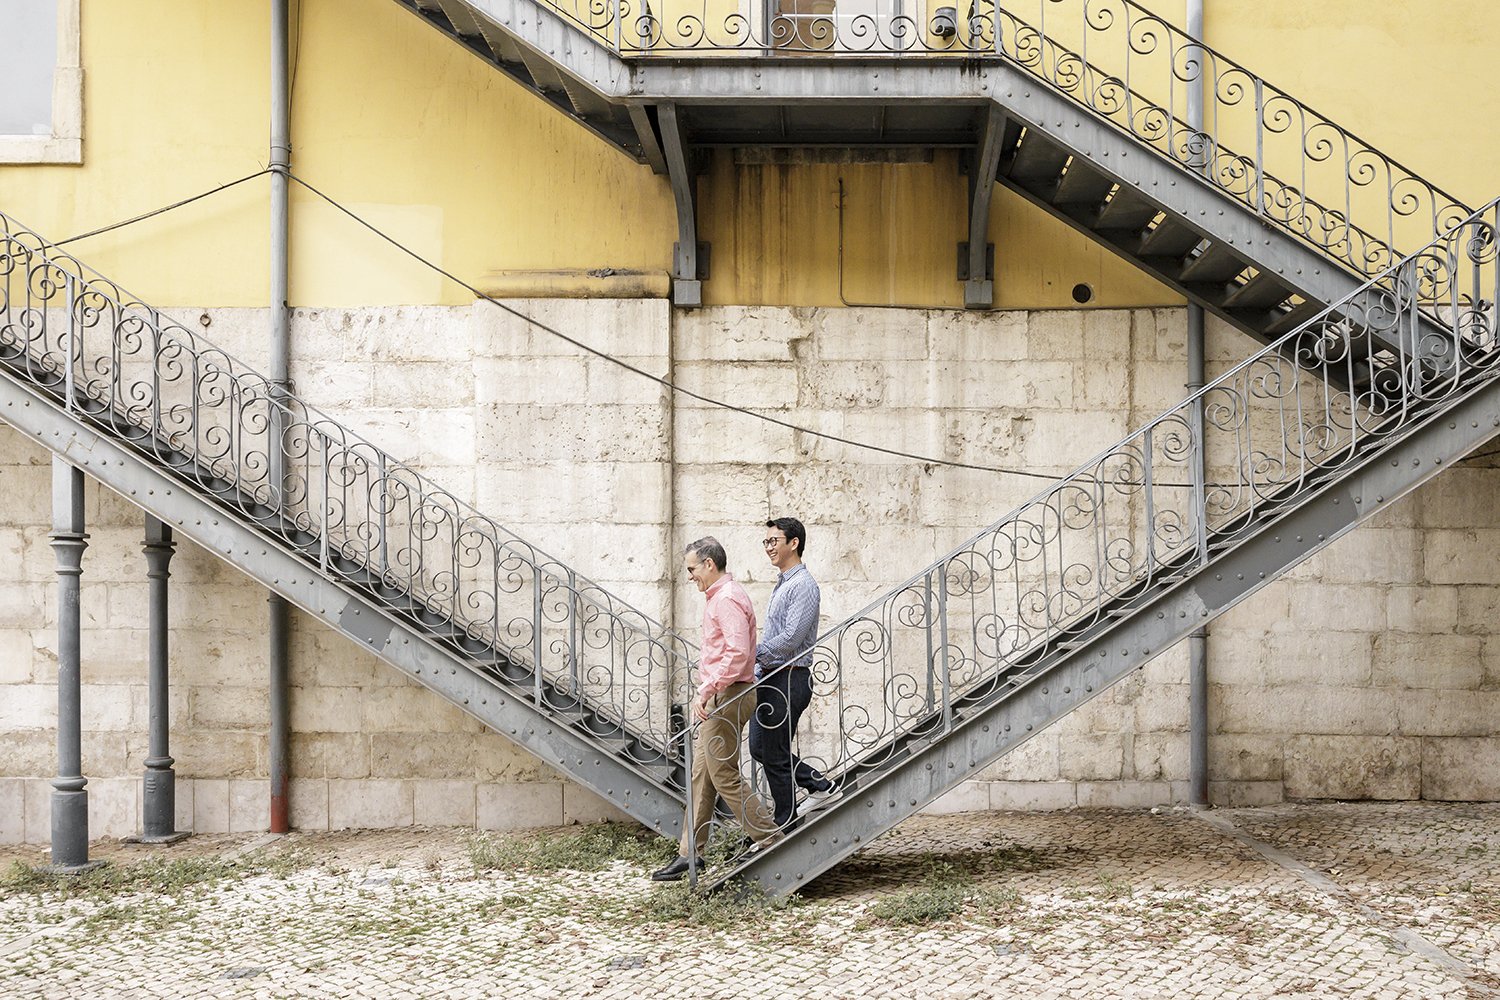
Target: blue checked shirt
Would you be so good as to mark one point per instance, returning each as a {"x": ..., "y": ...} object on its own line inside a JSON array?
[{"x": 791, "y": 622}]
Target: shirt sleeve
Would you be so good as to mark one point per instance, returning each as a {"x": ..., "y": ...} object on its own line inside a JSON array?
[{"x": 800, "y": 621}]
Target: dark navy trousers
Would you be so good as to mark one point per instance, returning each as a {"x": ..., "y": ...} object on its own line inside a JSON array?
[{"x": 780, "y": 701}]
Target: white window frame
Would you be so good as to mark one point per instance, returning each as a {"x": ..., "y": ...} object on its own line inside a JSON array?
[{"x": 65, "y": 144}]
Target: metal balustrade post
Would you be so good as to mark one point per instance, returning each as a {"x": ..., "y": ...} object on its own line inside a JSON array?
[
  {"x": 573, "y": 639},
  {"x": 70, "y": 799},
  {"x": 692, "y": 819},
  {"x": 536, "y": 635},
  {"x": 159, "y": 785},
  {"x": 927, "y": 615},
  {"x": 1260, "y": 147},
  {"x": 943, "y": 651},
  {"x": 71, "y": 400}
]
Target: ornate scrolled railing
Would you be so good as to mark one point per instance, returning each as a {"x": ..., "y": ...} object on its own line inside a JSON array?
[
  {"x": 1291, "y": 165},
  {"x": 1295, "y": 167},
  {"x": 1152, "y": 509},
  {"x": 328, "y": 494}
]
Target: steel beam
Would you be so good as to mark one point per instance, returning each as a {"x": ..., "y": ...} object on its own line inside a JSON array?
[
  {"x": 1256, "y": 559},
  {"x": 650, "y": 143},
  {"x": 565, "y": 44},
  {"x": 979, "y": 277},
  {"x": 688, "y": 270},
  {"x": 197, "y": 517}
]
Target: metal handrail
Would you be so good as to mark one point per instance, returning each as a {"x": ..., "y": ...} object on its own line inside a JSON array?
[
  {"x": 324, "y": 491},
  {"x": 1272, "y": 429}
]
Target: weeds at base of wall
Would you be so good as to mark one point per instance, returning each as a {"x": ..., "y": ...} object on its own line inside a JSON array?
[{"x": 154, "y": 875}]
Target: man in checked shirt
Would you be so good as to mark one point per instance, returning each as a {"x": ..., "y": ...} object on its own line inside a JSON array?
[{"x": 782, "y": 661}]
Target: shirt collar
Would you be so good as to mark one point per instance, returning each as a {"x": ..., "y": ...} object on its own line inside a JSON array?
[
  {"x": 717, "y": 584},
  {"x": 784, "y": 577}
]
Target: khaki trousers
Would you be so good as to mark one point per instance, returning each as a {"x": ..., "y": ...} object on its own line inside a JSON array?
[{"x": 716, "y": 771}]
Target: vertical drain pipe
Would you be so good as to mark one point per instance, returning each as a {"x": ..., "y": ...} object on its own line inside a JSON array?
[
  {"x": 278, "y": 612},
  {"x": 1198, "y": 640}
]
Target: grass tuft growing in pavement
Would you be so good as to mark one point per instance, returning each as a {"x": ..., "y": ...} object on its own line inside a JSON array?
[
  {"x": 588, "y": 849},
  {"x": 747, "y": 912},
  {"x": 153, "y": 875},
  {"x": 944, "y": 892}
]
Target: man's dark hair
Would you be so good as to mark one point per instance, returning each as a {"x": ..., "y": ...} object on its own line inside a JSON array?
[
  {"x": 792, "y": 529},
  {"x": 708, "y": 547}
]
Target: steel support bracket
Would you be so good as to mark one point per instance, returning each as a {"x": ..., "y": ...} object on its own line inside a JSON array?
[
  {"x": 976, "y": 268},
  {"x": 689, "y": 257}
]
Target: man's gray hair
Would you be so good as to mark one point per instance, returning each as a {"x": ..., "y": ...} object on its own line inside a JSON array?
[{"x": 708, "y": 547}]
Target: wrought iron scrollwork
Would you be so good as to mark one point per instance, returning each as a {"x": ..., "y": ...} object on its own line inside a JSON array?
[{"x": 342, "y": 503}]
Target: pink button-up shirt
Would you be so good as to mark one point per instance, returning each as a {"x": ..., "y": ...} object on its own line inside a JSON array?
[{"x": 728, "y": 653}]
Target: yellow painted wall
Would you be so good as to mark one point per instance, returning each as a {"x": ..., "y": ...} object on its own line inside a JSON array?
[{"x": 449, "y": 155}]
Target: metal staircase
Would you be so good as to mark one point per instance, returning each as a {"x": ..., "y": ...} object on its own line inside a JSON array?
[
  {"x": 341, "y": 529},
  {"x": 1264, "y": 216},
  {"x": 1374, "y": 290},
  {"x": 1151, "y": 539}
]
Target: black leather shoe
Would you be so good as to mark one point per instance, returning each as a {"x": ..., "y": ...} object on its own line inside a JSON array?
[{"x": 675, "y": 870}]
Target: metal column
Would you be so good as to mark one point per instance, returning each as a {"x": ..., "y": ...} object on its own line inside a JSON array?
[
  {"x": 278, "y": 610},
  {"x": 70, "y": 802},
  {"x": 159, "y": 801}
]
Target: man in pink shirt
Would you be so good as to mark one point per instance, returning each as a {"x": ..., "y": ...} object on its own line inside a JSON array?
[{"x": 722, "y": 706}]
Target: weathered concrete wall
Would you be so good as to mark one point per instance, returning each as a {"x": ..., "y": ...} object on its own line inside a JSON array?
[{"x": 1373, "y": 671}]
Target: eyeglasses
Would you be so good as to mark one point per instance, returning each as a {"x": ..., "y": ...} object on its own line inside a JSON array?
[
  {"x": 771, "y": 543},
  {"x": 690, "y": 570}
]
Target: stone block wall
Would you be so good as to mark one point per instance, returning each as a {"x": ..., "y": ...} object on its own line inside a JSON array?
[{"x": 1372, "y": 671}]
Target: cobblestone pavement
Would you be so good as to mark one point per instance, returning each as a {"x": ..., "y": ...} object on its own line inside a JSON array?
[{"x": 1307, "y": 901}]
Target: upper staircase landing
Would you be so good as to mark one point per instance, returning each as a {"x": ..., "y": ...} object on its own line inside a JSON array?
[{"x": 1264, "y": 214}]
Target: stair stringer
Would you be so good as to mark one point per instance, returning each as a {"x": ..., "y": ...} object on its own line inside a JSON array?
[
  {"x": 1257, "y": 558},
  {"x": 194, "y": 516}
]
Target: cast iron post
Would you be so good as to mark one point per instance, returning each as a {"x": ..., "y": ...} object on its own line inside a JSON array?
[
  {"x": 159, "y": 802},
  {"x": 70, "y": 802}
]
